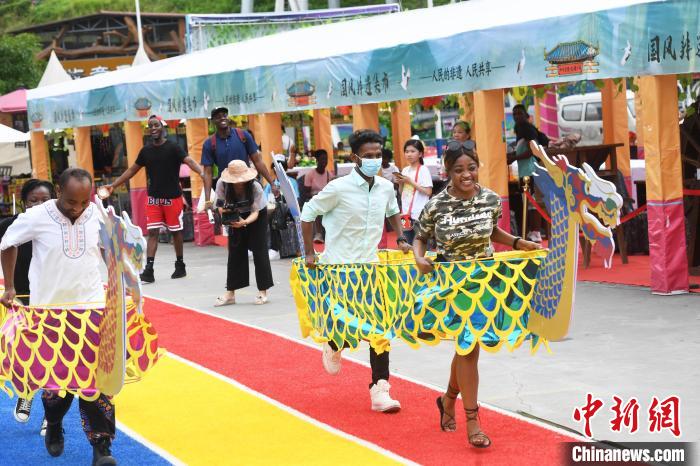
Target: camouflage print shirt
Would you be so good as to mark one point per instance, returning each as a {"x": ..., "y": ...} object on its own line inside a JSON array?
[{"x": 462, "y": 228}]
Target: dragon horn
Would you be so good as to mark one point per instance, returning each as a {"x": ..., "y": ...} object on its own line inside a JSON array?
[
  {"x": 540, "y": 153},
  {"x": 589, "y": 171}
]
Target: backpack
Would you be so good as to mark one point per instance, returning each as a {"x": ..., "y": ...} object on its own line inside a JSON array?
[
  {"x": 239, "y": 132},
  {"x": 279, "y": 215}
]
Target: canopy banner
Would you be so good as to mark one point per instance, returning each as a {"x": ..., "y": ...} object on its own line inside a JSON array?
[
  {"x": 641, "y": 39},
  {"x": 206, "y": 31}
]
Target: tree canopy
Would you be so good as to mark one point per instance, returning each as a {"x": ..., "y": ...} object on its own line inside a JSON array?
[
  {"x": 15, "y": 14},
  {"x": 20, "y": 68}
]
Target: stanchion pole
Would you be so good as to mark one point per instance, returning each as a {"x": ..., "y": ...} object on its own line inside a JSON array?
[{"x": 526, "y": 185}]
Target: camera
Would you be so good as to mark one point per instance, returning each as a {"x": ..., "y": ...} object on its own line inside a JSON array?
[{"x": 231, "y": 211}]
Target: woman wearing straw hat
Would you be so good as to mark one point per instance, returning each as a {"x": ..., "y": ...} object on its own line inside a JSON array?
[{"x": 243, "y": 210}]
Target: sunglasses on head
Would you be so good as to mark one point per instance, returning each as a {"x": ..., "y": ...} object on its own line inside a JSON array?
[{"x": 457, "y": 146}]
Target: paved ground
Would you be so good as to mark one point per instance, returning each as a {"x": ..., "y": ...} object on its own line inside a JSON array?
[{"x": 624, "y": 342}]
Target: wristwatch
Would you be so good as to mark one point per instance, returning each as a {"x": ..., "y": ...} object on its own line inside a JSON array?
[{"x": 515, "y": 242}]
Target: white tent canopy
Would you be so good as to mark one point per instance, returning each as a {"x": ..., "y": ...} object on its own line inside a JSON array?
[
  {"x": 475, "y": 45},
  {"x": 54, "y": 73},
  {"x": 8, "y": 134},
  {"x": 336, "y": 39}
]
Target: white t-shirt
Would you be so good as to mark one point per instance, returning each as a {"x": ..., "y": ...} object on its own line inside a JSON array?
[
  {"x": 286, "y": 143},
  {"x": 425, "y": 180},
  {"x": 66, "y": 256},
  {"x": 388, "y": 173}
]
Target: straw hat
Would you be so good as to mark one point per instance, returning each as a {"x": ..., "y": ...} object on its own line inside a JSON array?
[{"x": 238, "y": 172}]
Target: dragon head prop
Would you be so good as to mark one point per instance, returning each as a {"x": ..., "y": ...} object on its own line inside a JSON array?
[{"x": 593, "y": 203}]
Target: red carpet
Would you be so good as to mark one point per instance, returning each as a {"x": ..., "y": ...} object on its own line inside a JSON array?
[
  {"x": 292, "y": 374},
  {"x": 636, "y": 272}
]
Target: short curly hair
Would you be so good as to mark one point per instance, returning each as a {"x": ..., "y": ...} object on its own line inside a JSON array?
[
  {"x": 32, "y": 184},
  {"x": 363, "y": 136}
]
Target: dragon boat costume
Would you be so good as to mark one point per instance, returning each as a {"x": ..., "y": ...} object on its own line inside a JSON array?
[
  {"x": 84, "y": 352},
  {"x": 503, "y": 300}
]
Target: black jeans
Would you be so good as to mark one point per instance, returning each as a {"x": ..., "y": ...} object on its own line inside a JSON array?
[
  {"x": 97, "y": 417},
  {"x": 378, "y": 362},
  {"x": 240, "y": 240}
]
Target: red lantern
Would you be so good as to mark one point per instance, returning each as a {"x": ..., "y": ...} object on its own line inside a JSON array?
[
  {"x": 105, "y": 130},
  {"x": 172, "y": 123},
  {"x": 344, "y": 110},
  {"x": 430, "y": 102}
]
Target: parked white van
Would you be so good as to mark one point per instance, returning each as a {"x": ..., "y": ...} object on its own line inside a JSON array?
[{"x": 583, "y": 114}]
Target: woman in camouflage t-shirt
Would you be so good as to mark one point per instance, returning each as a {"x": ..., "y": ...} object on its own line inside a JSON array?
[{"x": 463, "y": 220}]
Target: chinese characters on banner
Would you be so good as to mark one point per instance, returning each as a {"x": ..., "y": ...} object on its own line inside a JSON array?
[
  {"x": 71, "y": 116},
  {"x": 182, "y": 104},
  {"x": 681, "y": 49},
  {"x": 661, "y": 414},
  {"x": 369, "y": 85},
  {"x": 458, "y": 73}
]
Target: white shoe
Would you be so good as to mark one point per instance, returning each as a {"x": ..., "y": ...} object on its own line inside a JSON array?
[
  {"x": 381, "y": 400},
  {"x": 331, "y": 359},
  {"x": 42, "y": 432},
  {"x": 23, "y": 409},
  {"x": 535, "y": 236}
]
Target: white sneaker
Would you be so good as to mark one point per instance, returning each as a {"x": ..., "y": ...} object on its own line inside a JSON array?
[
  {"x": 331, "y": 359},
  {"x": 42, "y": 432},
  {"x": 535, "y": 236},
  {"x": 381, "y": 400},
  {"x": 23, "y": 409}
]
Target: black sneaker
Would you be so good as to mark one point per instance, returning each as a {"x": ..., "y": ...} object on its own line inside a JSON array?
[
  {"x": 147, "y": 275},
  {"x": 54, "y": 439},
  {"x": 179, "y": 270},
  {"x": 101, "y": 455},
  {"x": 22, "y": 410}
]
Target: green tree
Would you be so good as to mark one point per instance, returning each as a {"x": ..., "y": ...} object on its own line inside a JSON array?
[{"x": 20, "y": 68}]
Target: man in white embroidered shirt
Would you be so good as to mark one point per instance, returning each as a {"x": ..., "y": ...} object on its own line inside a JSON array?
[
  {"x": 353, "y": 209},
  {"x": 65, "y": 270}
]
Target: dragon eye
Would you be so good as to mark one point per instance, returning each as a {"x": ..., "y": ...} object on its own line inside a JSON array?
[{"x": 610, "y": 204}]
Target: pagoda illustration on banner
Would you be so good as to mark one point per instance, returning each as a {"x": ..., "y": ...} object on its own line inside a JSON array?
[{"x": 571, "y": 58}]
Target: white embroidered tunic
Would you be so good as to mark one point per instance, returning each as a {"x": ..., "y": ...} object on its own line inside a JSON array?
[{"x": 65, "y": 267}]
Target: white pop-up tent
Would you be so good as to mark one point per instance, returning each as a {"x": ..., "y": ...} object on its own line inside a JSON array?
[
  {"x": 9, "y": 135},
  {"x": 15, "y": 157}
]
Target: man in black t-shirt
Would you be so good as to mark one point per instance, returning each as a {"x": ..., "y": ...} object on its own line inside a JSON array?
[{"x": 162, "y": 160}]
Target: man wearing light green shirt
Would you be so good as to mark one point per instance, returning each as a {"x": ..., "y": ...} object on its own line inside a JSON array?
[{"x": 354, "y": 208}]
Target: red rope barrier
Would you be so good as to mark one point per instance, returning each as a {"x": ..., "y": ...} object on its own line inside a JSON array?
[
  {"x": 633, "y": 214},
  {"x": 537, "y": 207},
  {"x": 625, "y": 219},
  {"x": 544, "y": 215}
]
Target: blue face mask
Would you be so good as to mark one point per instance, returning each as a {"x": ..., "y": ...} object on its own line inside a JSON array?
[{"x": 370, "y": 167}]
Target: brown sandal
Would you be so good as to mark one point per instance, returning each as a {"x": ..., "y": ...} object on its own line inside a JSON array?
[
  {"x": 450, "y": 425},
  {"x": 478, "y": 439}
]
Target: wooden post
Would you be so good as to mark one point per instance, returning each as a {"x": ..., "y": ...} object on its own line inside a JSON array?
[
  {"x": 270, "y": 136},
  {"x": 400, "y": 129},
  {"x": 615, "y": 126},
  {"x": 490, "y": 141},
  {"x": 83, "y": 149},
  {"x": 323, "y": 138},
  {"x": 667, "y": 245},
  {"x": 40, "y": 156},
  {"x": 365, "y": 116}
]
